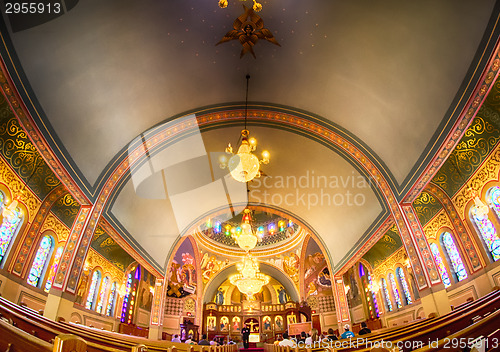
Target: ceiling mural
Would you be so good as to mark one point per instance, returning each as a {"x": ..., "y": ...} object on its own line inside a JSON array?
[
  {"x": 103, "y": 244},
  {"x": 66, "y": 209},
  {"x": 477, "y": 143},
  {"x": 426, "y": 207},
  {"x": 22, "y": 155},
  {"x": 385, "y": 247}
]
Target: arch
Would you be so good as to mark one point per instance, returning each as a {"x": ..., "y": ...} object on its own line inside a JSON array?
[
  {"x": 265, "y": 268},
  {"x": 41, "y": 260}
]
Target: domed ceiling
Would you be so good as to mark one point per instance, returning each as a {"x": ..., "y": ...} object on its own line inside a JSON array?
[{"x": 389, "y": 78}]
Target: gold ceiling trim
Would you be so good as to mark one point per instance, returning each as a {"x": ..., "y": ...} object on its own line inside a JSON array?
[{"x": 259, "y": 253}]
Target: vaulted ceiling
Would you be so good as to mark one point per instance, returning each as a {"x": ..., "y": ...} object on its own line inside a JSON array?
[{"x": 389, "y": 77}]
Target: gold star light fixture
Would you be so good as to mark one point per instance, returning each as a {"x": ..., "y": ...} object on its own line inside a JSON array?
[{"x": 244, "y": 166}]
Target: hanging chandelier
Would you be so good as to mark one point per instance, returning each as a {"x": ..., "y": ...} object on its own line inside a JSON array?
[
  {"x": 249, "y": 281},
  {"x": 244, "y": 166},
  {"x": 257, "y": 6},
  {"x": 245, "y": 236}
]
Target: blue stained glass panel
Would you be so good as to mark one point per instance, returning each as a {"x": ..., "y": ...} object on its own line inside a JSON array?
[
  {"x": 401, "y": 276},
  {"x": 102, "y": 293},
  {"x": 53, "y": 269},
  {"x": 454, "y": 255},
  {"x": 386, "y": 295},
  {"x": 441, "y": 267},
  {"x": 111, "y": 299},
  {"x": 40, "y": 259},
  {"x": 395, "y": 290},
  {"x": 7, "y": 231},
  {"x": 96, "y": 278}
]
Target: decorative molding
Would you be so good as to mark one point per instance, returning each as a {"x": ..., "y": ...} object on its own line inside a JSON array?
[
  {"x": 440, "y": 220},
  {"x": 94, "y": 259},
  {"x": 398, "y": 258}
]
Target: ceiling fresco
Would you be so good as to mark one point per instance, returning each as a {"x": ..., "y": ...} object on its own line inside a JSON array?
[
  {"x": 108, "y": 248},
  {"x": 426, "y": 207},
  {"x": 21, "y": 154},
  {"x": 387, "y": 245},
  {"x": 478, "y": 141},
  {"x": 66, "y": 209}
]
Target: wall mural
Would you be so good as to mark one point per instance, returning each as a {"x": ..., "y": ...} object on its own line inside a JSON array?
[
  {"x": 384, "y": 248},
  {"x": 353, "y": 291},
  {"x": 317, "y": 278},
  {"x": 182, "y": 273},
  {"x": 211, "y": 265},
  {"x": 289, "y": 263}
]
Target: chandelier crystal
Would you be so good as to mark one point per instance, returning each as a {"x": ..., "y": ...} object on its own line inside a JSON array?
[
  {"x": 244, "y": 166},
  {"x": 246, "y": 238},
  {"x": 249, "y": 280}
]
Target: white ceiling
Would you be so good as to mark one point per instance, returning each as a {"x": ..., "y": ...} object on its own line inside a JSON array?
[{"x": 385, "y": 71}]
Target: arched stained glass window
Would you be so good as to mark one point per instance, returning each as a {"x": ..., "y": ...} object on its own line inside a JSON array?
[
  {"x": 128, "y": 288},
  {"x": 102, "y": 294},
  {"x": 404, "y": 284},
  {"x": 94, "y": 284},
  {"x": 387, "y": 296},
  {"x": 485, "y": 226},
  {"x": 395, "y": 290},
  {"x": 454, "y": 256},
  {"x": 53, "y": 269},
  {"x": 8, "y": 230},
  {"x": 111, "y": 299},
  {"x": 440, "y": 264},
  {"x": 41, "y": 256}
]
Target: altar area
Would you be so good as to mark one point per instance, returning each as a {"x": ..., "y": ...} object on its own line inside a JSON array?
[{"x": 265, "y": 321}]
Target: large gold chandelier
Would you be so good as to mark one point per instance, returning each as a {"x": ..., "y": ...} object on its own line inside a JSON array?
[
  {"x": 249, "y": 280},
  {"x": 244, "y": 166}
]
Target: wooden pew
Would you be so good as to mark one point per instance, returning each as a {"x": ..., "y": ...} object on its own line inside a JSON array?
[{"x": 13, "y": 339}]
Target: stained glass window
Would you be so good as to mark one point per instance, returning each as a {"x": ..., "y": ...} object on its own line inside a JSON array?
[
  {"x": 111, "y": 299},
  {"x": 454, "y": 256},
  {"x": 128, "y": 288},
  {"x": 404, "y": 284},
  {"x": 395, "y": 290},
  {"x": 486, "y": 227},
  {"x": 40, "y": 259},
  {"x": 440, "y": 265},
  {"x": 385, "y": 293},
  {"x": 374, "y": 296},
  {"x": 102, "y": 294},
  {"x": 53, "y": 269},
  {"x": 8, "y": 230},
  {"x": 94, "y": 284}
]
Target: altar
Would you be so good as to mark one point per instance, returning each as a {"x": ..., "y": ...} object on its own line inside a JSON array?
[{"x": 264, "y": 320}]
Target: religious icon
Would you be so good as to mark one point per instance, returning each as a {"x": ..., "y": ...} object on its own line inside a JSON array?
[
  {"x": 224, "y": 324},
  {"x": 278, "y": 321},
  {"x": 236, "y": 324},
  {"x": 291, "y": 319},
  {"x": 211, "y": 323},
  {"x": 266, "y": 321}
]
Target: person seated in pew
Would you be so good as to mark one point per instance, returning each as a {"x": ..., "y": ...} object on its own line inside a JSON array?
[
  {"x": 214, "y": 342},
  {"x": 364, "y": 329},
  {"x": 204, "y": 341},
  {"x": 331, "y": 335},
  {"x": 303, "y": 336},
  {"x": 347, "y": 333},
  {"x": 176, "y": 338},
  {"x": 310, "y": 340},
  {"x": 231, "y": 342},
  {"x": 286, "y": 341},
  {"x": 190, "y": 341}
]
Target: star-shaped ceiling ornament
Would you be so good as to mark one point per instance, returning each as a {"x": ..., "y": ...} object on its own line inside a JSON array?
[{"x": 248, "y": 29}]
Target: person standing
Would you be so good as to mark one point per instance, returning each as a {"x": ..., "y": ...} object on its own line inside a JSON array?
[{"x": 245, "y": 334}]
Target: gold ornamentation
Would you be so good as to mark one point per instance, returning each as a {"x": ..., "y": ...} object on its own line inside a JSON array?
[
  {"x": 489, "y": 171},
  {"x": 94, "y": 259},
  {"x": 189, "y": 306},
  {"x": 15, "y": 185},
  {"x": 439, "y": 221},
  {"x": 54, "y": 224},
  {"x": 398, "y": 258}
]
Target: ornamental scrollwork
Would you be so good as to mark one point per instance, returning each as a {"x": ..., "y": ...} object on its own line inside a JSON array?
[
  {"x": 431, "y": 229},
  {"x": 54, "y": 224}
]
